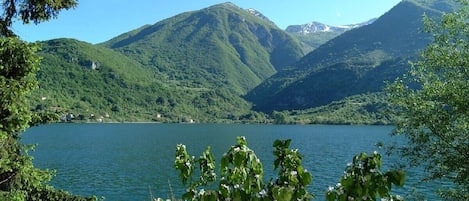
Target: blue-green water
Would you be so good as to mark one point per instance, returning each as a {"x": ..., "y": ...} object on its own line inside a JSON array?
[{"x": 132, "y": 161}]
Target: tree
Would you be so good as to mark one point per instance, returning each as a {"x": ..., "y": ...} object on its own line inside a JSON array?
[
  {"x": 432, "y": 104},
  {"x": 19, "y": 179},
  {"x": 279, "y": 117}
]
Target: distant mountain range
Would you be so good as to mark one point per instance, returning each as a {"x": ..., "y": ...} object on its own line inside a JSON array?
[
  {"x": 224, "y": 64},
  {"x": 318, "y": 27},
  {"x": 315, "y": 34}
]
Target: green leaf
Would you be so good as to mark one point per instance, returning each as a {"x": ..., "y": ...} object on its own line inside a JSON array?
[{"x": 306, "y": 178}]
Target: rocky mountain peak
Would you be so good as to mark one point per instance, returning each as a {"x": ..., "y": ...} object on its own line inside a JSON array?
[
  {"x": 315, "y": 27},
  {"x": 259, "y": 14}
]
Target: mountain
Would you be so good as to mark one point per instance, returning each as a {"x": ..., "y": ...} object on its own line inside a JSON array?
[
  {"x": 260, "y": 15},
  {"x": 93, "y": 83},
  {"x": 193, "y": 66},
  {"x": 199, "y": 65},
  {"x": 317, "y": 27},
  {"x": 314, "y": 34},
  {"x": 358, "y": 61},
  {"x": 222, "y": 46}
]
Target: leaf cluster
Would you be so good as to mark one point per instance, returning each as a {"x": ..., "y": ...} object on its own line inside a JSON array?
[
  {"x": 242, "y": 174},
  {"x": 364, "y": 180},
  {"x": 36, "y": 11}
]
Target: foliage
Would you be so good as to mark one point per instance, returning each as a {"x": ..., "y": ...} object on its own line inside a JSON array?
[
  {"x": 369, "y": 109},
  {"x": 432, "y": 104},
  {"x": 242, "y": 174},
  {"x": 27, "y": 11},
  {"x": 280, "y": 117},
  {"x": 363, "y": 180},
  {"x": 19, "y": 179},
  {"x": 292, "y": 177}
]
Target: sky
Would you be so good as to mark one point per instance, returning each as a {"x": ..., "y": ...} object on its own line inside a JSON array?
[{"x": 96, "y": 21}]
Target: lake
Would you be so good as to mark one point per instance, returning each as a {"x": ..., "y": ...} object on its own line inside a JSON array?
[{"x": 124, "y": 162}]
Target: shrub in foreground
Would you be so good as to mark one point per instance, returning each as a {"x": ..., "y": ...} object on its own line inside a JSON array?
[{"x": 242, "y": 176}]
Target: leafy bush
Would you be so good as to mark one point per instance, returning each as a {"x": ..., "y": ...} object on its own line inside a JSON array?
[
  {"x": 242, "y": 174},
  {"x": 363, "y": 180}
]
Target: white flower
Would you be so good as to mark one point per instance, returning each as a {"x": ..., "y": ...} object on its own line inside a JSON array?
[
  {"x": 262, "y": 193},
  {"x": 202, "y": 192},
  {"x": 188, "y": 164},
  {"x": 360, "y": 166},
  {"x": 375, "y": 152},
  {"x": 330, "y": 188},
  {"x": 236, "y": 186},
  {"x": 225, "y": 186},
  {"x": 293, "y": 173},
  {"x": 236, "y": 149}
]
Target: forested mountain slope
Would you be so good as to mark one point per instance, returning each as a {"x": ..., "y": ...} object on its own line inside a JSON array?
[
  {"x": 222, "y": 46},
  {"x": 95, "y": 83},
  {"x": 358, "y": 61}
]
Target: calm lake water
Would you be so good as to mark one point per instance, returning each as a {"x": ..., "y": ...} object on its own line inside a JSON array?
[{"x": 129, "y": 162}]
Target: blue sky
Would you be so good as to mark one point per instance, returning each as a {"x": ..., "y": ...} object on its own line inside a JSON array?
[{"x": 96, "y": 21}]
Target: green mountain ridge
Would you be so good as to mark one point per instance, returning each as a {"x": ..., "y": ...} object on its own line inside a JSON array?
[
  {"x": 94, "y": 83},
  {"x": 358, "y": 61},
  {"x": 222, "y": 45}
]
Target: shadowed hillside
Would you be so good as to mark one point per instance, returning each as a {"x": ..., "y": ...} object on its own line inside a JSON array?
[{"x": 358, "y": 61}]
